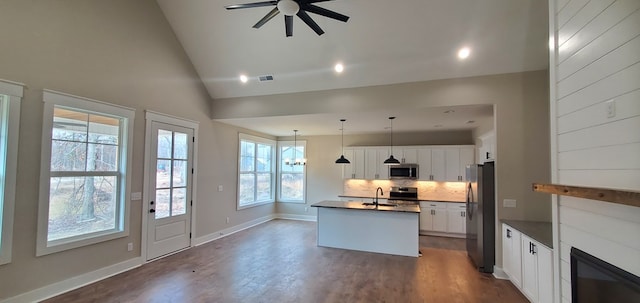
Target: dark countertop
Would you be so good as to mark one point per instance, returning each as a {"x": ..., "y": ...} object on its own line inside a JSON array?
[
  {"x": 539, "y": 231},
  {"x": 407, "y": 199},
  {"x": 359, "y": 206}
]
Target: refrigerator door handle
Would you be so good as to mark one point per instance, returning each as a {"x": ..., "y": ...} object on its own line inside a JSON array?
[{"x": 469, "y": 195}]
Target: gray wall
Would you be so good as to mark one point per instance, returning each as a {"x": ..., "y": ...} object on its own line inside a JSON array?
[{"x": 121, "y": 52}]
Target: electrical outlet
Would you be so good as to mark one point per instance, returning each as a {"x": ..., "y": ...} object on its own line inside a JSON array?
[
  {"x": 509, "y": 203},
  {"x": 611, "y": 108},
  {"x": 129, "y": 246},
  {"x": 220, "y": 188},
  {"x": 227, "y": 220}
]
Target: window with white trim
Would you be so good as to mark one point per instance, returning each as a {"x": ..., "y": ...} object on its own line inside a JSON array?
[
  {"x": 10, "y": 98},
  {"x": 84, "y": 186},
  {"x": 256, "y": 171},
  {"x": 291, "y": 174}
]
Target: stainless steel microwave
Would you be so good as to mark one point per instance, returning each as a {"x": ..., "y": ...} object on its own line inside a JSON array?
[{"x": 403, "y": 171}]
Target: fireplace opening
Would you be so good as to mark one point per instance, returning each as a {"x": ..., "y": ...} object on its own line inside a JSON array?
[{"x": 596, "y": 281}]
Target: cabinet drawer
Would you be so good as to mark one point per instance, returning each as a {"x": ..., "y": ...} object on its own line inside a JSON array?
[
  {"x": 430, "y": 204},
  {"x": 455, "y": 205}
]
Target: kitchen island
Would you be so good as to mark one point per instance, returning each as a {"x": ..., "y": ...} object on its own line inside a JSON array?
[{"x": 356, "y": 226}]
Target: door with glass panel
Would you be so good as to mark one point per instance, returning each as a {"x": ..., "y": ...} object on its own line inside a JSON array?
[{"x": 171, "y": 173}]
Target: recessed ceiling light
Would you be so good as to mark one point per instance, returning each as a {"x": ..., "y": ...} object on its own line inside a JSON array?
[
  {"x": 471, "y": 122},
  {"x": 464, "y": 52},
  {"x": 339, "y": 68},
  {"x": 449, "y": 111},
  {"x": 438, "y": 125},
  {"x": 244, "y": 78}
]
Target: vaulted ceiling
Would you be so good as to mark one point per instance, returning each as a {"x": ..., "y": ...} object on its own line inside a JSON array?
[{"x": 383, "y": 42}]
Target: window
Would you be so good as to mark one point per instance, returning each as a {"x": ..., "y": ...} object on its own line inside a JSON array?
[
  {"x": 10, "y": 97},
  {"x": 291, "y": 178},
  {"x": 256, "y": 170},
  {"x": 84, "y": 176}
]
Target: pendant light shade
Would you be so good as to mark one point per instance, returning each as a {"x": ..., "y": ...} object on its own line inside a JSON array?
[
  {"x": 295, "y": 160},
  {"x": 391, "y": 160},
  {"x": 342, "y": 159}
]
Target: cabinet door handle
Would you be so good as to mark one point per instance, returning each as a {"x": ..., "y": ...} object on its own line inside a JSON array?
[{"x": 534, "y": 249}]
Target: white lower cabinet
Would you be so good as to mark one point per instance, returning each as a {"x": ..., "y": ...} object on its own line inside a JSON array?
[
  {"x": 443, "y": 218},
  {"x": 457, "y": 218},
  {"x": 511, "y": 254},
  {"x": 528, "y": 264},
  {"x": 433, "y": 216}
]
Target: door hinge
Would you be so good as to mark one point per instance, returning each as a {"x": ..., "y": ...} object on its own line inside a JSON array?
[
  {"x": 191, "y": 202},
  {"x": 193, "y": 139},
  {"x": 192, "y": 170},
  {"x": 189, "y": 235}
]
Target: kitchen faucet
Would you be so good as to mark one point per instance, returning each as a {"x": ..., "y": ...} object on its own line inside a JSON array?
[{"x": 381, "y": 193}]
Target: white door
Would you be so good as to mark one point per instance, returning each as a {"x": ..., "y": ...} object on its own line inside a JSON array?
[{"x": 171, "y": 177}]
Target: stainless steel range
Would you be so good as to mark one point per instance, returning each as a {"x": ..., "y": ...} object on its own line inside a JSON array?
[{"x": 403, "y": 195}]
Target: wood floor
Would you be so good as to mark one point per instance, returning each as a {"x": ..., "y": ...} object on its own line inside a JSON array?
[{"x": 279, "y": 262}]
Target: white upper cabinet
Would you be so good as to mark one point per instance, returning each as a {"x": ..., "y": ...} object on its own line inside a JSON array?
[
  {"x": 456, "y": 160},
  {"x": 438, "y": 166},
  {"x": 424, "y": 164},
  {"x": 374, "y": 167},
  {"x": 354, "y": 170},
  {"x": 408, "y": 154},
  {"x": 486, "y": 151}
]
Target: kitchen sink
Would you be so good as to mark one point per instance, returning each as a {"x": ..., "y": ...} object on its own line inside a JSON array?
[{"x": 379, "y": 204}]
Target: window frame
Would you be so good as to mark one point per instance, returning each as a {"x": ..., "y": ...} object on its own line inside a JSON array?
[
  {"x": 281, "y": 160},
  {"x": 125, "y": 154},
  {"x": 256, "y": 140},
  {"x": 9, "y": 139}
]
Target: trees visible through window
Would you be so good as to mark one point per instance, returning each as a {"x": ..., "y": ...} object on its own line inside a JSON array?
[
  {"x": 256, "y": 171},
  {"x": 86, "y": 175}
]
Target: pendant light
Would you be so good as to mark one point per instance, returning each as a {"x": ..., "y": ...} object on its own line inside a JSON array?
[
  {"x": 342, "y": 159},
  {"x": 296, "y": 160},
  {"x": 391, "y": 160}
]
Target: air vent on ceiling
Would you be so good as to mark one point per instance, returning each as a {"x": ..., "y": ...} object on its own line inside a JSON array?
[{"x": 265, "y": 78}]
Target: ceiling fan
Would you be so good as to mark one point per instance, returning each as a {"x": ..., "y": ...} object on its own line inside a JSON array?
[{"x": 290, "y": 8}]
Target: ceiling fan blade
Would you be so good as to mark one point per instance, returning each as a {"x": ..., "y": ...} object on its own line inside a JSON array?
[
  {"x": 325, "y": 12},
  {"x": 267, "y": 17},
  {"x": 312, "y": 24},
  {"x": 288, "y": 25},
  {"x": 250, "y": 5}
]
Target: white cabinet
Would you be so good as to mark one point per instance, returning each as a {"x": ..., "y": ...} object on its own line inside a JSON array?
[
  {"x": 438, "y": 166},
  {"x": 528, "y": 264},
  {"x": 457, "y": 218},
  {"x": 537, "y": 275},
  {"x": 433, "y": 216},
  {"x": 511, "y": 254},
  {"x": 408, "y": 154},
  {"x": 424, "y": 164},
  {"x": 354, "y": 170},
  {"x": 486, "y": 151},
  {"x": 456, "y": 160},
  {"x": 374, "y": 167}
]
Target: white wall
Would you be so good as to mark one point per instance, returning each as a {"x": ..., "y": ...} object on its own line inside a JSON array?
[{"x": 596, "y": 60}]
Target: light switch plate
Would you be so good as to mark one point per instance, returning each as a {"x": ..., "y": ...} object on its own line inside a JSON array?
[
  {"x": 509, "y": 203},
  {"x": 136, "y": 196},
  {"x": 220, "y": 188}
]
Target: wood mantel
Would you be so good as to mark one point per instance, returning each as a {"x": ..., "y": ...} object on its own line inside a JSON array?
[{"x": 625, "y": 197}]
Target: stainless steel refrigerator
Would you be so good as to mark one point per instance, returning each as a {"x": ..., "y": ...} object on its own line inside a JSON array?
[{"x": 481, "y": 203}]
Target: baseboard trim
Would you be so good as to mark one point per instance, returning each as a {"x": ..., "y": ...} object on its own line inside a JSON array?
[
  {"x": 232, "y": 230},
  {"x": 61, "y": 287},
  {"x": 297, "y": 217},
  {"x": 498, "y": 273}
]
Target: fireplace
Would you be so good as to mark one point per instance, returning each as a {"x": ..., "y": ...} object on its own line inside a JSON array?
[{"x": 596, "y": 281}]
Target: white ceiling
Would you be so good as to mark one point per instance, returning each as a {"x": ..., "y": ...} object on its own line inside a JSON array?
[{"x": 384, "y": 42}]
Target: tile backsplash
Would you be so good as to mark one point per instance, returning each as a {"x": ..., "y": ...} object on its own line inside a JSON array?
[{"x": 427, "y": 190}]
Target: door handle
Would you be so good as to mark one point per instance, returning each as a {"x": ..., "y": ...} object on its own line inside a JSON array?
[{"x": 152, "y": 210}]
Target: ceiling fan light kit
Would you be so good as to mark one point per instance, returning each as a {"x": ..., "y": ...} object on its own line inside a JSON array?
[{"x": 289, "y": 8}]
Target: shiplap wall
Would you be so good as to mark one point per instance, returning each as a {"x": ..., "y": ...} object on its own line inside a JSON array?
[{"x": 596, "y": 60}]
